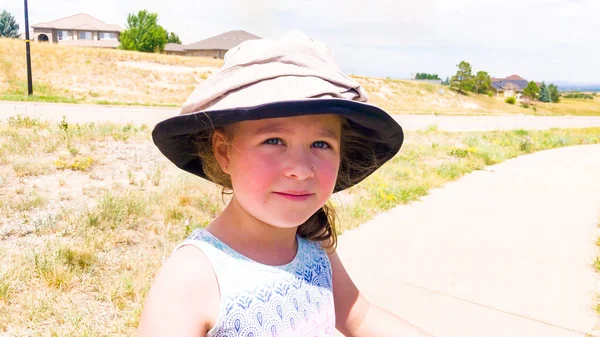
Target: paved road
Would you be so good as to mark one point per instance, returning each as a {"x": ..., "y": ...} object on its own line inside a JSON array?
[
  {"x": 78, "y": 113},
  {"x": 503, "y": 252}
]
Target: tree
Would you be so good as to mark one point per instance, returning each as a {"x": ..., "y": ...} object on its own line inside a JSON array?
[
  {"x": 173, "y": 38},
  {"x": 482, "y": 82},
  {"x": 532, "y": 91},
  {"x": 8, "y": 26},
  {"x": 463, "y": 80},
  {"x": 426, "y": 76},
  {"x": 554, "y": 95},
  {"x": 544, "y": 93},
  {"x": 143, "y": 33},
  {"x": 447, "y": 81}
]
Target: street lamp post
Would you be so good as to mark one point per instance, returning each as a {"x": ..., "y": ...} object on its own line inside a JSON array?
[{"x": 29, "y": 80}]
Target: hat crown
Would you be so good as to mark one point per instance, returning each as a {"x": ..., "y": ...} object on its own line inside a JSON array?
[
  {"x": 263, "y": 71},
  {"x": 292, "y": 43}
]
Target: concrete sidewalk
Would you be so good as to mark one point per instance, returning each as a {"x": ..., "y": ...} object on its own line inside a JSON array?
[
  {"x": 82, "y": 113},
  {"x": 504, "y": 252}
]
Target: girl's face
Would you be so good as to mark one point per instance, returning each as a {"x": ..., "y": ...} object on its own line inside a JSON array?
[{"x": 282, "y": 169}]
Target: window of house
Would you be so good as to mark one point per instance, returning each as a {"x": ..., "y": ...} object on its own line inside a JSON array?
[
  {"x": 63, "y": 35},
  {"x": 85, "y": 35},
  {"x": 108, "y": 36}
]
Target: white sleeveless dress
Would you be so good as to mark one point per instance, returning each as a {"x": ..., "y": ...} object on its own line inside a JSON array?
[{"x": 259, "y": 300}]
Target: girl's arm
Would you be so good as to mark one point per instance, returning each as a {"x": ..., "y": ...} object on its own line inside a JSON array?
[
  {"x": 356, "y": 317},
  {"x": 184, "y": 298}
]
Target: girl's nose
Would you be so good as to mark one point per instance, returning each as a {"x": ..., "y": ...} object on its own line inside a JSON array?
[{"x": 298, "y": 164}]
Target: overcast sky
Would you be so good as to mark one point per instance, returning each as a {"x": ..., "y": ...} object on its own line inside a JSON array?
[{"x": 552, "y": 40}]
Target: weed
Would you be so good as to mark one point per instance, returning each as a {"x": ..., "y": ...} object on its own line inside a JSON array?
[
  {"x": 156, "y": 176},
  {"x": 6, "y": 287},
  {"x": 449, "y": 171},
  {"x": 131, "y": 177},
  {"x": 78, "y": 164},
  {"x": 60, "y": 264},
  {"x": 28, "y": 202},
  {"x": 526, "y": 145},
  {"x": 26, "y": 122},
  {"x": 77, "y": 259},
  {"x": 432, "y": 128},
  {"x": 117, "y": 209},
  {"x": 461, "y": 152},
  {"x": 25, "y": 168}
]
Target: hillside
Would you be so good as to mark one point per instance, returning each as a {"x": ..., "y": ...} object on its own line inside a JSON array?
[{"x": 85, "y": 75}]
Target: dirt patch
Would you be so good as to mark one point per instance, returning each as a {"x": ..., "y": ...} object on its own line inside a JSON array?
[
  {"x": 135, "y": 165},
  {"x": 164, "y": 68}
]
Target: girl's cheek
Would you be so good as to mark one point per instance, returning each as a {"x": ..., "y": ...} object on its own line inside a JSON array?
[
  {"x": 328, "y": 174},
  {"x": 255, "y": 168}
]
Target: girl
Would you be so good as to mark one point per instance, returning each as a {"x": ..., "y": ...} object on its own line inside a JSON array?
[{"x": 281, "y": 128}]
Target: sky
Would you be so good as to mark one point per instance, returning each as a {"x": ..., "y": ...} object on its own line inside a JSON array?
[{"x": 541, "y": 40}]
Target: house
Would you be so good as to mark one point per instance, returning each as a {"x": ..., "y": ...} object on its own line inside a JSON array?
[
  {"x": 512, "y": 86},
  {"x": 214, "y": 47},
  {"x": 81, "y": 30}
]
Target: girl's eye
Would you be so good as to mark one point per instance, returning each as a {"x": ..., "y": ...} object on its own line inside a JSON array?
[
  {"x": 321, "y": 145},
  {"x": 273, "y": 141}
]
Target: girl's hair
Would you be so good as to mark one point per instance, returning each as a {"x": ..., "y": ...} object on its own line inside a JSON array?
[{"x": 321, "y": 226}]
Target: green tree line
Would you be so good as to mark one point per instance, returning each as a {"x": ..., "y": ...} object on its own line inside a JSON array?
[{"x": 465, "y": 81}]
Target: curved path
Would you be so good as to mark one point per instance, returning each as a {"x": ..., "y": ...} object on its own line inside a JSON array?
[
  {"x": 81, "y": 113},
  {"x": 507, "y": 251}
]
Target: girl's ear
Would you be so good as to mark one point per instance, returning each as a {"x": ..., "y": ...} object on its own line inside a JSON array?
[{"x": 221, "y": 149}]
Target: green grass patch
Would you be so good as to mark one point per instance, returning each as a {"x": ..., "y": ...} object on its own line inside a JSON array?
[
  {"x": 116, "y": 210},
  {"x": 42, "y": 92},
  {"x": 59, "y": 264}
]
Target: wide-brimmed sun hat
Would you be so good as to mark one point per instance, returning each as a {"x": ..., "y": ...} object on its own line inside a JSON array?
[{"x": 292, "y": 76}]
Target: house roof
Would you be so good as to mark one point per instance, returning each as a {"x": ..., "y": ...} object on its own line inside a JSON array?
[
  {"x": 506, "y": 84},
  {"x": 515, "y": 77},
  {"x": 174, "y": 47},
  {"x": 223, "y": 41},
  {"x": 80, "y": 21}
]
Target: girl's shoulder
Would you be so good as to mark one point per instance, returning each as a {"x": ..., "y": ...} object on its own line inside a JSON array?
[{"x": 186, "y": 271}]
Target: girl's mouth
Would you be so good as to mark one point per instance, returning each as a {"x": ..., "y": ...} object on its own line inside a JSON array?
[{"x": 295, "y": 196}]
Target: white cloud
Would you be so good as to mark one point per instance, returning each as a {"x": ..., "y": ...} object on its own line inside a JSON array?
[{"x": 539, "y": 39}]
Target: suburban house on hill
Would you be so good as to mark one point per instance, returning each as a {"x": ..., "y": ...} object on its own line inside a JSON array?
[
  {"x": 512, "y": 86},
  {"x": 81, "y": 30},
  {"x": 214, "y": 47}
]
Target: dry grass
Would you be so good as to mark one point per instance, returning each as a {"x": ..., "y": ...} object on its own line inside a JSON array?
[
  {"x": 72, "y": 74},
  {"x": 572, "y": 107},
  {"x": 402, "y": 97},
  {"x": 79, "y": 249}
]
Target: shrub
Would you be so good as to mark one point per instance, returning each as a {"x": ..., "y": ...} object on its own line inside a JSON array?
[
  {"x": 510, "y": 100},
  {"x": 578, "y": 95}
]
